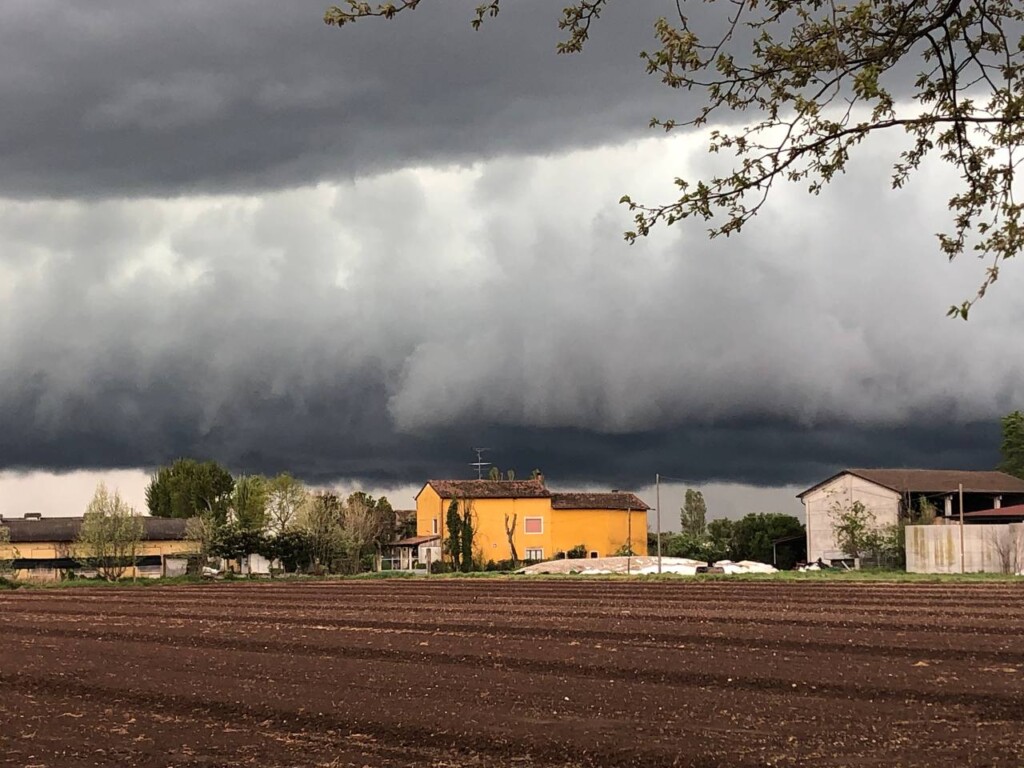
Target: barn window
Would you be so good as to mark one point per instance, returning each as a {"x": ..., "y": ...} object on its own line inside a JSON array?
[
  {"x": 535, "y": 554},
  {"x": 534, "y": 525},
  {"x": 593, "y": 554}
]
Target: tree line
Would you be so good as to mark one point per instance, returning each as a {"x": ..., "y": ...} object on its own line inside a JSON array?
[
  {"x": 279, "y": 518},
  {"x": 751, "y": 537},
  {"x": 314, "y": 531}
]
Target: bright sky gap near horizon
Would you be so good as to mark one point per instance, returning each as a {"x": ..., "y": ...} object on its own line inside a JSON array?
[{"x": 228, "y": 231}]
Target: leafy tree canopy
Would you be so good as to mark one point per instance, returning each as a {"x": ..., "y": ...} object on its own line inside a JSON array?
[
  {"x": 809, "y": 80},
  {"x": 854, "y": 527},
  {"x": 189, "y": 488},
  {"x": 249, "y": 502},
  {"x": 753, "y": 534},
  {"x": 234, "y": 542},
  {"x": 720, "y": 536},
  {"x": 292, "y": 547}
]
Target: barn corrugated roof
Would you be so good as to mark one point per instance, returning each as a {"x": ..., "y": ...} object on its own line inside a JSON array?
[
  {"x": 65, "y": 529},
  {"x": 933, "y": 480}
]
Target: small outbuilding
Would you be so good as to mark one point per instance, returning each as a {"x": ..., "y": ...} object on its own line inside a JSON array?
[{"x": 413, "y": 552}]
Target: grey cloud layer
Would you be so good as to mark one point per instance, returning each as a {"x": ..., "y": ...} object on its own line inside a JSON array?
[
  {"x": 159, "y": 298},
  {"x": 379, "y": 329},
  {"x": 121, "y": 97}
]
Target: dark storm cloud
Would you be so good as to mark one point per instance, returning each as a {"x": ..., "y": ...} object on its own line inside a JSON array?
[
  {"x": 380, "y": 329},
  {"x": 120, "y": 98}
]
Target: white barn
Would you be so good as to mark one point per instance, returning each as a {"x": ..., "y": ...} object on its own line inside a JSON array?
[{"x": 892, "y": 493}]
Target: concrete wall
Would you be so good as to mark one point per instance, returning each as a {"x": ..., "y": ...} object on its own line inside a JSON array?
[
  {"x": 843, "y": 491},
  {"x": 987, "y": 548}
]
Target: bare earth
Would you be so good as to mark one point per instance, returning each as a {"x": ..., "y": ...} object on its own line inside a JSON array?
[{"x": 500, "y": 673}]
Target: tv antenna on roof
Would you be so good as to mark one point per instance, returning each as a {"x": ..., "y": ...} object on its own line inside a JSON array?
[{"x": 480, "y": 463}]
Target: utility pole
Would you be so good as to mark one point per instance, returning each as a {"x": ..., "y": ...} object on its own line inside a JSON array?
[
  {"x": 657, "y": 482},
  {"x": 629, "y": 540},
  {"x": 657, "y": 505},
  {"x": 961, "y": 491}
]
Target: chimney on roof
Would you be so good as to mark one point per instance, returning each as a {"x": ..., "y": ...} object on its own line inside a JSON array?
[{"x": 33, "y": 515}]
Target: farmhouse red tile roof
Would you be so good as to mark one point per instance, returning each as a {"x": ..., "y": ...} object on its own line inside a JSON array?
[
  {"x": 597, "y": 501},
  {"x": 533, "y": 489},
  {"x": 934, "y": 480},
  {"x": 65, "y": 529},
  {"x": 489, "y": 489}
]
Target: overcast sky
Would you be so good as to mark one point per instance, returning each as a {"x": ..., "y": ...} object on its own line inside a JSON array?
[{"x": 231, "y": 232}]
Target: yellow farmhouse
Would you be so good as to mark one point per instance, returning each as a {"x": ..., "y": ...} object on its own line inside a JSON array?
[
  {"x": 543, "y": 523},
  {"x": 43, "y": 548}
]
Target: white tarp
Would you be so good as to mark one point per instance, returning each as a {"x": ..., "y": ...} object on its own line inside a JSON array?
[{"x": 641, "y": 565}]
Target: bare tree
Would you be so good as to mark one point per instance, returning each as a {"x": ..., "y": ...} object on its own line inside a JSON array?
[
  {"x": 8, "y": 553},
  {"x": 510, "y": 531},
  {"x": 110, "y": 534},
  {"x": 203, "y": 531},
  {"x": 1005, "y": 546},
  {"x": 367, "y": 524},
  {"x": 286, "y": 495},
  {"x": 320, "y": 520},
  {"x": 1017, "y": 535}
]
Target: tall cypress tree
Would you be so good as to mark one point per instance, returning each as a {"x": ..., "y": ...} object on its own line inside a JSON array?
[
  {"x": 454, "y": 523},
  {"x": 1013, "y": 444},
  {"x": 467, "y": 537}
]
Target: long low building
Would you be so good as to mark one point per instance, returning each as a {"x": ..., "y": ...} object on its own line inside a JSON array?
[
  {"x": 539, "y": 523},
  {"x": 43, "y": 548}
]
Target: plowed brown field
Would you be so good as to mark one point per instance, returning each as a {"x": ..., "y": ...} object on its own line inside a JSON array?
[{"x": 510, "y": 673}]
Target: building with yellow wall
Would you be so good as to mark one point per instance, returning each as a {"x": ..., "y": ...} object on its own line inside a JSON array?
[
  {"x": 543, "y": 523},
  {"x": 43, "y": 548}
]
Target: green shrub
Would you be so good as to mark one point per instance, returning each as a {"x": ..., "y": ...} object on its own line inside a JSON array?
[{"x": 500, "y": 566}]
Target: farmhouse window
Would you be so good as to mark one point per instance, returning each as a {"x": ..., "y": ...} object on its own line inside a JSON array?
[
  {"x": 533, "y": 525},
  {"x": 594, "y": 554},
  {"x": 535, "y": 554},
  {"x": 433, "y": 526}
]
